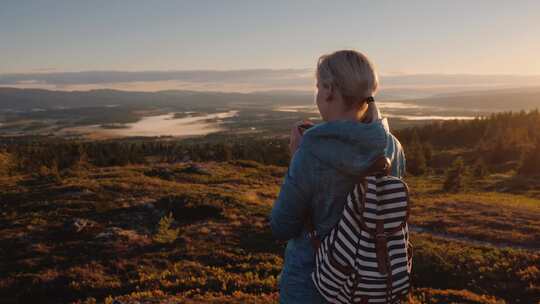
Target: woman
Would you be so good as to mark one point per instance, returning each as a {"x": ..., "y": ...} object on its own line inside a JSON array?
[{"x": 325, "y": 161}]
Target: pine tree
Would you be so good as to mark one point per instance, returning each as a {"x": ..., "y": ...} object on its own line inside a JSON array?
[
  {"x": 428, "y": 153},
  {"x": 529, "y": 163},
  {"x": 456, "y": 176},
  {"x": 416, "y": 156},
  {"x": 416, "y": 161}
]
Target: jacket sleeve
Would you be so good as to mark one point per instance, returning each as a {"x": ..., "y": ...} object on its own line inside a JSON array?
[
  {"x": 294, "y": 199},
  {"x": 402, "y": 162},
  {"x": 395, "y": 152}
]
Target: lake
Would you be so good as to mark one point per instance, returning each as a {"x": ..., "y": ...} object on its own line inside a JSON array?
[
  {"x": 160, "y": 125},
  {"x": 400, "y": 110}
]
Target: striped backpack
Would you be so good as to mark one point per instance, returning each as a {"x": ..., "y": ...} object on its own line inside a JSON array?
[{"x": 367, "y": 256}]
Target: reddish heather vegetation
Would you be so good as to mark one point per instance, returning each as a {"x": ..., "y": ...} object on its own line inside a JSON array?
[{"x": 198, "y": 233}]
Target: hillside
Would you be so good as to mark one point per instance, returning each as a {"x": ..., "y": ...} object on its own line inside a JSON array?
[
  {"x": 186, "y": 221},
  {"x": 217, "y": 246},
  {"x": 494, "y": 100},
  {"x": 99, "y": 114},
  {"x": 28, "y": 99}
]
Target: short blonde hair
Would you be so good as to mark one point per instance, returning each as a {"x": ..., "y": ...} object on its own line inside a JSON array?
[{"x": 351, "y": 73}]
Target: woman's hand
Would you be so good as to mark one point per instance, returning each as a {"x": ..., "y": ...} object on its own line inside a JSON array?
[{"x": 296, "y": 136}]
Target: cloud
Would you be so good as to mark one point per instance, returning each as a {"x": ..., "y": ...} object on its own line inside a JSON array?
[
  {"x": 459, "y": 79},
  {"x": 263, "y": 78},
  {"x": 240, "y": 80}
]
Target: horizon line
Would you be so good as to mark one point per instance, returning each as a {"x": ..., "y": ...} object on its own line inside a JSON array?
[{"x": 46, "y": 71}]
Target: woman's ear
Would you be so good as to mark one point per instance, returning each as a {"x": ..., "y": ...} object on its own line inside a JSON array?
[{"x": 330, "y": 91}]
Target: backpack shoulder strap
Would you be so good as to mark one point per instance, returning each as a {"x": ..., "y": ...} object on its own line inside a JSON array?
[{"x": 381, "y": 165}]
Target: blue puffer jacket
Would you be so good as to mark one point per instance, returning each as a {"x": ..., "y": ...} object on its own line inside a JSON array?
[{"x": 320, "y": 175}]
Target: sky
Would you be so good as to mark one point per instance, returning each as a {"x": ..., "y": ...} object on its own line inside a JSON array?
[{"x": 489, "y": 37}]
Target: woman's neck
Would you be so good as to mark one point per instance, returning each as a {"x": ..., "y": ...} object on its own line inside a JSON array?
[{"x": 357, "y": 115}]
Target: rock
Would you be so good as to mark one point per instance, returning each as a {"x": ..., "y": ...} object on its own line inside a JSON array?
[
  {"x": 116, "y": 233},
  {"x": 78, "y": 225},
  {"x": 75, "y": 191},
  {"x": 148, "y": 206},
  {"x": 109, "y": 233}
]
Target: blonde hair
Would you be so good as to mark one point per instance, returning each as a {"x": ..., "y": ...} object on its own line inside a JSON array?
[{"x": 353, "y": 75}]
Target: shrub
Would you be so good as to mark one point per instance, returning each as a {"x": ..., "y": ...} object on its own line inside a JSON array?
[
  {"x": 480, "y": 169},
  {"x": 48, "y": 174},
  {"x": 166, "y": 234},
  {"x": 5, "y": 164}
]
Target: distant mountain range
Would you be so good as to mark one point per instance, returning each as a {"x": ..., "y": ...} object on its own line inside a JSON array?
[
  {"x": 31, "y": 99},
  {"x": 250, "y": 80},
  {"x": 28, "y": 99},
  {"x": 514, "y": 99}
]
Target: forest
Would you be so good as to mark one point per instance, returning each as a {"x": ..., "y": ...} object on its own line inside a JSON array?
[{"x": 496, "y": 143}]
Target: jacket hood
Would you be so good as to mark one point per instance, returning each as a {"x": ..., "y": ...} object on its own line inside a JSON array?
[{"x": 346, "y": 145}]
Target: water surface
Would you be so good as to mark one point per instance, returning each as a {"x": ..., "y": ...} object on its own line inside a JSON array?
[{"x": 162, "y": 125}]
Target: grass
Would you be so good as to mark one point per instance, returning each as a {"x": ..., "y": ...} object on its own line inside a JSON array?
[
  {"x": 223, "y": 250},
  {"x": 503, "y": 218}
]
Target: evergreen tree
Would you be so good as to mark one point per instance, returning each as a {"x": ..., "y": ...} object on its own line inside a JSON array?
[
  {"x": 416, "y": 156},
  {"x": 428, "y": 153},
  {"x": 416, "y": 161},
  {"x": 456, "y": 176},
  {"x": 530, "y": 162}
]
